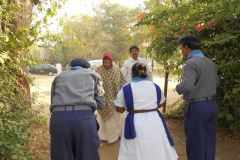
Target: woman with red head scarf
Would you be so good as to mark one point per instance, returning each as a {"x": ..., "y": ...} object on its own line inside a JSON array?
[{"x": 109, "y": 119}]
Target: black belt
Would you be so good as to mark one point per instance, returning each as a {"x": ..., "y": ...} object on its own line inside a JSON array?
[
  {"x": 142, "y": 111},
  {"x": 71, "y": 108},
  {"x": 199, "y": 99}
]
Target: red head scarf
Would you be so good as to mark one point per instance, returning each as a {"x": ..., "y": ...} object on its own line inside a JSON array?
[{"x": 109, "y": 56}]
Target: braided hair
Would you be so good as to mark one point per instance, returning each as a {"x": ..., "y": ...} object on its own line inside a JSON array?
[{"x": 139, "y": 70}]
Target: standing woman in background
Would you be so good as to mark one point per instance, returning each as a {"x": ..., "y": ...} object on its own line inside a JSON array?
[{"x": 109, "y": 119}]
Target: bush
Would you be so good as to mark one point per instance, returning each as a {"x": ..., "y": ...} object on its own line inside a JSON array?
[
  {"x": 177, "y": 110},
  {"x": 216, "y": 24}
]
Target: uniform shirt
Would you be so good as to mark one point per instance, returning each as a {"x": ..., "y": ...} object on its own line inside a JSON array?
[
  {"x": 144, "y": 96},
  {"x": 127, "y": 68},
  {"x": 77, "y": 87},
  {"x": 199, "y": 79}
]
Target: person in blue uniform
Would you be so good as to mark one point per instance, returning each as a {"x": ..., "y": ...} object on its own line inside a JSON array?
[
  {"x": 75, "y": 95},
  {"x": 198, "y": 86}
]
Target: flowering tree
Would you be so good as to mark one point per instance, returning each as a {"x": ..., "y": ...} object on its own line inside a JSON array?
[{"x": 216, "y": 24}]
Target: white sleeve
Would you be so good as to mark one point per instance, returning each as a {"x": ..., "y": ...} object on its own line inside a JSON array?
[
  {"x": 124, "y": 69},
  {"x": 120, "y": 101}
]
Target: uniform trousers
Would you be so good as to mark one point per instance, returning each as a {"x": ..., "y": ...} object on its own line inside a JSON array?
[
  {"x": 200, "y": 119},
  {"x": 74, "y": 135}
]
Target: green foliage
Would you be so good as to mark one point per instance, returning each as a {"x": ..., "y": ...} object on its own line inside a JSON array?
[
  {"x": 16, "y": 113},
  {"x": 177, "y": 109},
  {"x": 216, "y": 23},
  {"x": 110, "y": 29}
]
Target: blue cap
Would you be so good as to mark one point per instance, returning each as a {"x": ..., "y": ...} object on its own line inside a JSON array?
[
  {"x": 188, "y": 39},
  {"x": 80, "y": 62}
]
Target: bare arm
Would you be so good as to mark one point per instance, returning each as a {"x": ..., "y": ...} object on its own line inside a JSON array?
[
  {"x": 161, "y": 105},
  {"x": 120, "y": 109}
]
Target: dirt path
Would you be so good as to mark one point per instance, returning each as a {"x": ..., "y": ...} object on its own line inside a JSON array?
[{"x": 227, "y": 148}]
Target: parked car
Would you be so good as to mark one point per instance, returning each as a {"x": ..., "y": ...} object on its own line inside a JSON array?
[
  {"x": 95, "y": 63},
  {"x": 43, "y": 69}
]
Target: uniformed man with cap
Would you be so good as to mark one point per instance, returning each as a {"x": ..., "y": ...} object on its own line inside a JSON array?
[
  {"x": 75, "y": 95},
  {"x": 198, "y": 86}
]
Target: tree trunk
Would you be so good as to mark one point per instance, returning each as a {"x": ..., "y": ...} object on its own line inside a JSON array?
[{"x": 23, "y": 18}]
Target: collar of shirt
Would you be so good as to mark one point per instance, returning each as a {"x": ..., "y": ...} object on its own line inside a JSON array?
[
  {"x": 196, "y": 53},
  {"x": 138, "y": 79},
  {"x": 134, "y": 59},
  {"x": 75, "y": 67}
]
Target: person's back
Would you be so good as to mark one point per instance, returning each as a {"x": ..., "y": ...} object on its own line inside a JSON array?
[
  {"x": 206, "y": 80},
  {"x": 58, "y": 66},
  {"x": 145, "y": 134},
  {"x": 141, "y": 99},
  {"x": 75, "y": 95},
  {"x": 198, "y": 87},
  {"x": 75, "y": 87}
]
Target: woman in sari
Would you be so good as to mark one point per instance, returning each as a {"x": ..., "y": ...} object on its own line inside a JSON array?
[{"x": 109, "y": 119}]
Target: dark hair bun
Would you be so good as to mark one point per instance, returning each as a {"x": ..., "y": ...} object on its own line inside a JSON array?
[{"x": 139, "y": 70}]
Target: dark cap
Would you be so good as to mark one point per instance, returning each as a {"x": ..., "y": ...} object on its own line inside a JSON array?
[
  {"x": 80, "y": 62},
  {"x": 188, "y": 39}
]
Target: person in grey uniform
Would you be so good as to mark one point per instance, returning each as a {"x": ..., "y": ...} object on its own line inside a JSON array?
[
  {"x": 198, "y": 86},
  {"x": 75, "y": 95}
]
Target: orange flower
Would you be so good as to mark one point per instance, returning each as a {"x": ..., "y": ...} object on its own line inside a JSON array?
[
  {"x": 124, "y": 26},
  {"x": 166, "y": 25},
  {"x": 212, "y": 25},
  {"x": 175, "y": 17},
  {"x": 152, "y": 27},
  {"x": 141, "y": 16},
  {"x": 183, "y": 28},
  {"x": 200, "y": 27}
]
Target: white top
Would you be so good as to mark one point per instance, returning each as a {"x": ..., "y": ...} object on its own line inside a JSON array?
[
  {"x": 127, "y": 68},
  {"x": 144, "y": 95},
  {"x": 58, "y": 66}
]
